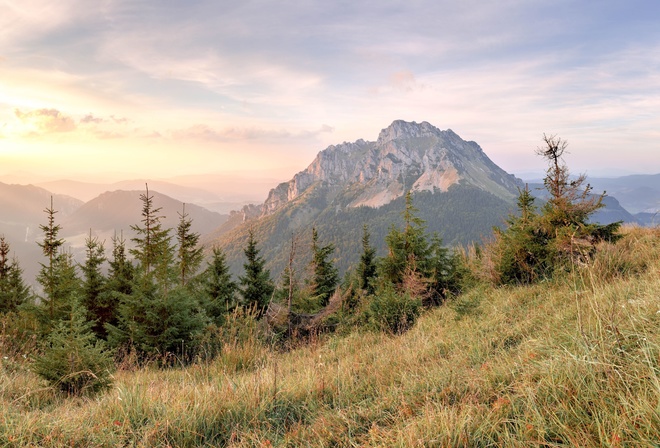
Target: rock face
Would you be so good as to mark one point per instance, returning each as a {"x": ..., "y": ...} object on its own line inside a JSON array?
[{"x": 407, "y": 155}]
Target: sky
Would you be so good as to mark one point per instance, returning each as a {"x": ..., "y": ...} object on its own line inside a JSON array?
[{"x": 115, "y": 89}]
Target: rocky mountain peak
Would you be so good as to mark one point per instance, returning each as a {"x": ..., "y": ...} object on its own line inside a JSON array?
[
  {"x": 402, "y": 129},
  {"x": 406, "y": 155}
]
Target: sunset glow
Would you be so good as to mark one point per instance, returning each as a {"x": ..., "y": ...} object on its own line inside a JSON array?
[{"x": 159, "y": 89}]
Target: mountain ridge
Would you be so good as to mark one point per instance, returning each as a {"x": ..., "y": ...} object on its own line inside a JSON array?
[{"x": 406, "y": 155}]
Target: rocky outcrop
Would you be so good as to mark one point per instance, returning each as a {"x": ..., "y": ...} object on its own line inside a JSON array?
[{"x": 406, "y": 155}]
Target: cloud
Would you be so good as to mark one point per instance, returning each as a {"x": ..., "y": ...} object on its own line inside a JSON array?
[
  {"x": 89, "y": 118},
  {"x": 207, "y": 133},
  {"x": 46, "y": 121}
]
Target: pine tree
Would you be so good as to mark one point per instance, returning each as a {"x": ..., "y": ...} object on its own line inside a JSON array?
[
  {"x": 94, "y": 295},
  {"x": 13, "y": 291},
  {"x": 367, "y": 268},
  {"x": 189, "y": 255},
  {"x": 74, "y": 360},
  {"x": 50, "y": 247},
  {"x": 565, "y": 216},
  {"x": 218, "y": 287},
  {"x": 256, "y": 285},
  {"x": 408, "y": 249},
  {"x": 523, "y": 252},
  {"x": 153, "y": 250},
  {"x": 324, "y": 274}
]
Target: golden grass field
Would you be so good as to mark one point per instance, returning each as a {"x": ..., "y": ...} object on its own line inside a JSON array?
[{"x": 570, "y": 362}]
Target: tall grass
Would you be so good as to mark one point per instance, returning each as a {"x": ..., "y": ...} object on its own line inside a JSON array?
[{"x": 570, "y": 362}]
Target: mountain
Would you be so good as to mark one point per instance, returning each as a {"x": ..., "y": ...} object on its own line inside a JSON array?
[
  {"x": 612, "y": 210},
  {"x": 21, "y": 212},
  {"x": 639, "y": 193},
  {"x": 459, "y": 191},
  {"x": 406, "y": 156},
  {"x": 116, "y": 211},
  {"x": 88, "y": 191}
]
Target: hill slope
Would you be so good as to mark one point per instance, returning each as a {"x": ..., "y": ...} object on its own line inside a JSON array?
[
  {"x": 566, "y": 363},
  {"x": 459, "y": 191}
]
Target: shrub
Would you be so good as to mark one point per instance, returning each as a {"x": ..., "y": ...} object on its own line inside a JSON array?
[
  {"x": 392, "y": 312},
  {"x": 75, "y": 361}
]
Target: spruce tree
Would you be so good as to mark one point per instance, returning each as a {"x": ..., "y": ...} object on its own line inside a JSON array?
[
  {"x": 324, "y": 274},
  {"x": 189, "y": 255},
  {"x": 58, "y": 278},
  {"x": 153, "y": 249},
  {"x": 157, "y": 317},
  {"x": 523, "y": 251},
  {"x": 94, "y": 295},
  {"x": 218, "y": 288},
  {"x": 50, "y": 247},
  {"x": 367, "y": 267},
  {"x": 256, "y": 286},
  {"x": 121, "y": 272},
  {"x": 13, "y": 291},
  {"x": 158, "y": 324},
  {"x": 74, "y": 360},
  {"x": 565, "y": 216},
  {"x": 408, "y": 249},
  {"x": 534, "y": 245},
  {"x": 119, "y": 283}
]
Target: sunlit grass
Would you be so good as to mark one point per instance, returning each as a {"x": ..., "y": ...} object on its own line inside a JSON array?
[{"x": 573, "y": 362}]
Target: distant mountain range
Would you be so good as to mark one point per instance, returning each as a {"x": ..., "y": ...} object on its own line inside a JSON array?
[
  {"x": 22, "y": 211},
  {"x": 459, "y": 191}
]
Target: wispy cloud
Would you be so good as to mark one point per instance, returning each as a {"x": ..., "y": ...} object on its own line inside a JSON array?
[
  {"x": 46, "y": 121},
  {"x": 207, "y": 133},
  {"x": 220, "y": 74}
]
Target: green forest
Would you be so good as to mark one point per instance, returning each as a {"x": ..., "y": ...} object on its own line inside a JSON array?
[{"x": 163, "y": 309}]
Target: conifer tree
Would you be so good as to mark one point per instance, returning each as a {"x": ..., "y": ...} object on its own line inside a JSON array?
[
  {"x": 74, "y": 360},
  {"x": 50, "y": 247},
  {"x": 534, "y": 245},
  {"x": 157, "y": 324},
  {"x": 157, "y": 317},
  {"x": 413, "y": 264},
  {"x": 218, "y": 287},
  {"x": 324, "y": 274},
  {"x": 408, "y": 249},
  {"x": 256, "y": 286},
  {"x": 58, "y": 277},
  {"x": 153, "y": 250},
  {"x": 189, "y": 255},
  {"x": 94, "y": 295},
  {"x": 523, "y": 256},
  {"x": 121, "y": 271},
  {"x": 565, "y": 217},
  {"x": 367, "y": 267},
  {"x": 13, "y": 291}
]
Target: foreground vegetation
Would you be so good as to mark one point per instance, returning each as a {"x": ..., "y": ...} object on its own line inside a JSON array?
[
  {"x": 544, "y": 335},
  {"x": 569, "y": 361}
]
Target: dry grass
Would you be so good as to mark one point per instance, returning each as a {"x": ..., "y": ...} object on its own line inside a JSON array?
[{"x": 570, "y": 362}]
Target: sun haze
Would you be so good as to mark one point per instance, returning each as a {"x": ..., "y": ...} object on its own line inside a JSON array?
[{"x": 161, "y": 89}]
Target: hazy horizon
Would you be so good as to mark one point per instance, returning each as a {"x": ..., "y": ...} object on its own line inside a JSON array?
[{"x": 159, "y": 90}]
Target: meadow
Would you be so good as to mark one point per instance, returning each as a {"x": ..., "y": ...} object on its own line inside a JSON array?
[{"x": 572, "y": 361}]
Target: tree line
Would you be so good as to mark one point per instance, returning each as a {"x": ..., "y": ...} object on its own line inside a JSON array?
[{"x": 160, "y": 299}]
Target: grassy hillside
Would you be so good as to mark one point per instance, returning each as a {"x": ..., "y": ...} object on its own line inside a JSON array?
[{"x": 572, "y": 362}]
